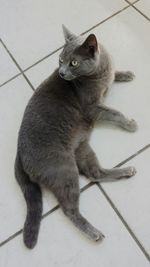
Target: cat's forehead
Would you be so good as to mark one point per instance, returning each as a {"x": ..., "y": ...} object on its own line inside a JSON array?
[{"x": 71, "y": 46}]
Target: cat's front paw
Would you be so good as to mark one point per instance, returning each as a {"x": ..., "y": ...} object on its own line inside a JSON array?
[
  {"x": 129, "y": 76},
  {"x": 124, "y": 76},
  {"x": 131, "y": 126},
  {"x": 131, "y": 171}
]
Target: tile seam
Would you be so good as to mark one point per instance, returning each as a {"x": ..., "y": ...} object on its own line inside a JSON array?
[
  {"x": 126, "y": 225},
  {"x": 54, "y": 51},
  {"x": 84, "y": 188},
  {"x": 16, "y": 63}
]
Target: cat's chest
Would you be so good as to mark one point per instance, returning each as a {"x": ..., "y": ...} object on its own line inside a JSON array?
[
  {"x": 82, "y": 133},
  {"x": 83, "y": 130},
  {"x": 105, "y": 83}
]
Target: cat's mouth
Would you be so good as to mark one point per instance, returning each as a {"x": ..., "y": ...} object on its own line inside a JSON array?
[{"x": 67, "y": 77}]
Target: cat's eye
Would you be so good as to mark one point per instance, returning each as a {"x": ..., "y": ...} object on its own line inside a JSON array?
[
  {"x": 74, "y": 63},
  {"x": 60, "y": 60}
]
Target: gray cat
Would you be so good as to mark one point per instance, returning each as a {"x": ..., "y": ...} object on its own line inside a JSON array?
[{"x": 53, "y": 143}]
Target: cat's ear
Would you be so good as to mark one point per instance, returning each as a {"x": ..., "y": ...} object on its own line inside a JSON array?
[
  {"x": 90, "y": 44},
  {"x": 69, "y": 36}
]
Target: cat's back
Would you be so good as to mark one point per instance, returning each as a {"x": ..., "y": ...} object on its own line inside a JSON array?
[
  {"x": 53, "y": 90},
  {"x": 51, "y": 97},
  {"x": 51, "y": 115}
]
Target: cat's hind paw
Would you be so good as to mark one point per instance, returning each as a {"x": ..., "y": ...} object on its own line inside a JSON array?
[
  {"x": 98, "y": 236},
  {"x": 131, "y": 171},
  {"x": 131, "y": 126}
]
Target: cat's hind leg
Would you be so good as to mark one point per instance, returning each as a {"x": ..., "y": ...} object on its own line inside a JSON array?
[
  {"x": 67, "y": 191},
  {"x": 124, "y": 76},
  {"x": 108, "y": 175},
  {"x": 89, "y": 166}
]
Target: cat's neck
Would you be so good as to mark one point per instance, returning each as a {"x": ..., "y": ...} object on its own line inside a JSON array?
[{"x": 89, "y": 88}]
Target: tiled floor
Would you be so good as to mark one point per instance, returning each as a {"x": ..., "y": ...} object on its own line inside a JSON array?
[{"x": 31, "y": 34}]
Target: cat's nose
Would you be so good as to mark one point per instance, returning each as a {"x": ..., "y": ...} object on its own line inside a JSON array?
[{"x": 62, "y": 74}]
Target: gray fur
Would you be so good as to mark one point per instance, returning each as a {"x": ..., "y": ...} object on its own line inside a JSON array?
[
  {"x": 124, "y": 76},
  {"x": 68, "y": 35},
  {"x": 53, "y": 138}
]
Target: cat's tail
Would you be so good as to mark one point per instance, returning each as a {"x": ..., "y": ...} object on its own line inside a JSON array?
[{"x": 33, "y": 197}]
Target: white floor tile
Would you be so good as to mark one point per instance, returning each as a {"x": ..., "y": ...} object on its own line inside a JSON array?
[
  {"x": 132, "y": 198},
  {"x": 144, "y": 6},
  {"x": 35, "y": 29},
  {"x": 41, "y": 71},
  {"x": 8, "y": 68},
  {"x": 33, "y": 32},
  {"x": 61, "y": 244},
  {"x": 13, "y": 99},
  {"x": 124, "y": 36},
  {"x": 127, "y": 38},
  {"x": 131, "y": 1}
]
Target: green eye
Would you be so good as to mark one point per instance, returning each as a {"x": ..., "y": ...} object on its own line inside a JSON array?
[
  {"x": 60, "y": 60},
  {"x": 74, "y": 63}
]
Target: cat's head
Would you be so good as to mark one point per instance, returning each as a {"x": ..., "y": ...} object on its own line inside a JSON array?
[{"x": 80, "y": 56}]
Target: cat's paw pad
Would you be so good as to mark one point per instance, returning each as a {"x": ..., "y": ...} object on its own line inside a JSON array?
[
  {"x": 132, "y": 126},
  {"x": 129, "y": 76},
  {"x": 131, "y": 171},
  {"x": 98, "y": 236}
]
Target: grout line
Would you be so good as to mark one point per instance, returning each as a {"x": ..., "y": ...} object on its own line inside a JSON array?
[
  {"x": 18, "y": 66},
  {"x": 131, "y": 3},
  {"x": 133, "y": 156},
  {"x": 56, "y": 50},
  {"x": 124, "y": 222},
  {"x": 59, "y": 48},
  {"x": 113, "y": 15},
  {"x": 120, "y": 164},
  {"x": 93, "y": 27},
  {"x": 21, "y": 230},
  {"x": 42, "y": 59},
  {"x": 81, "y": 190},
  {"x": 140, "y": 12},
  {"x": 118, "y": 212},
  {"x": 50, "y": 211},
  {"x": 10, "y": 238},
  {"x": 11, "y": 79},
  {"x": 43, "y": 217}
]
